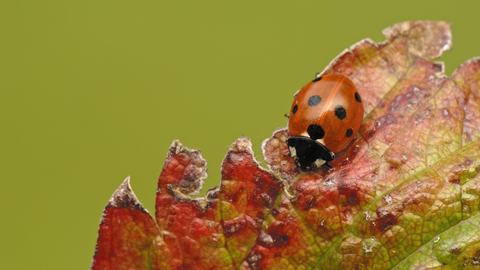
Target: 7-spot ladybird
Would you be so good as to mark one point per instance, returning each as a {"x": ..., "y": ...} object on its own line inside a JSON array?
[{"x": 325, "y": 117}]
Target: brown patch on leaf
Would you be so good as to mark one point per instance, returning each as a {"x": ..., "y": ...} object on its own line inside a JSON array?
[
  {"x": 385, "y": 221},
  {"x": 457, "y": 171},
  {"x": 455, "y": 249},
  {"x": 239, "y": 224},
  {"x": 350, "y": 193}
]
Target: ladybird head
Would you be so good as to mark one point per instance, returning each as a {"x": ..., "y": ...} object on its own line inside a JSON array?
[{"x": 309, "y": 154}]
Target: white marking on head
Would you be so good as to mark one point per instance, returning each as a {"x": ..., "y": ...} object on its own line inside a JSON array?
[
  {"x": 319, "y": 162},
  {"x": 320, "y": 141},
  {"x": 293, "y": 151}
]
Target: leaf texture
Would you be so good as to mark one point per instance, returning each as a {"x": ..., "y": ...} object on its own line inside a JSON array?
[{"x": 405, "y": 194}]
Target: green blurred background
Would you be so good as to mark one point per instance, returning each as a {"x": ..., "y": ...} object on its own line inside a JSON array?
[{"x": 94, "y": 91}]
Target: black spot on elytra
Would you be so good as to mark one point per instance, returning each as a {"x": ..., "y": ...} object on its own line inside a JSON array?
[
  {"x": 314, "y": 100},
  {"x": 317, "y": 79},
  {"x": 349, "y": 133},
  {"x": 315, "y": 132},
  {"x": 295, "y": 108},
  {"x": 357, "y": 97},
  {"x": 340, "y": 112}
]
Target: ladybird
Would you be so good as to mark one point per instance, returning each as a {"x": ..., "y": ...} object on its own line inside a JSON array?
[{"x": 325, "y": 117}]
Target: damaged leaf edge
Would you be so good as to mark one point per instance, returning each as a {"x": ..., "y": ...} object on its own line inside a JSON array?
[
  {"x": 183, "y": 193},
  {"x": 387, "y": 32},
  {"x": 242, "y": 144},
  {"x": 405, "y": 29},
  {"x": 193, "y": 187}
]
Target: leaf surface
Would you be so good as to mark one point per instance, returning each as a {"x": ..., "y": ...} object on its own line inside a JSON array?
[{"x": 403, "y": 195}]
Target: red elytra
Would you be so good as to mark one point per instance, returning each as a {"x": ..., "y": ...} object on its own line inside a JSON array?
[{"x": 328, "y": 110}]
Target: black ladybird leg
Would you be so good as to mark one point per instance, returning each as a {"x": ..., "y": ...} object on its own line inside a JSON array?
[
  {"x": 328, "y": 166},
  {"x": 287, "y": 115}
]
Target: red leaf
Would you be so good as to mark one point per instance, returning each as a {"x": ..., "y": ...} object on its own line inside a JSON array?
[
  {"x": 128, "y": 237},
  {"x": 405, "y": 193},
  {"x": 222, "y": 226}
]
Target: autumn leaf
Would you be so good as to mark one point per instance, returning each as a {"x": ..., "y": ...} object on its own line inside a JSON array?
[{"x": 405, "y": 194}]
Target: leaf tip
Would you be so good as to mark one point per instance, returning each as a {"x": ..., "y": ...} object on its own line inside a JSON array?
[
  {"x": 124, "y": 197},
  {"x": 242, "y": 144},
  {"x": 177, "y": 147}
]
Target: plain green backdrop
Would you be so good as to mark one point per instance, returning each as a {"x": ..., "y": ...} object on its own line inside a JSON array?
[{"x": 94, "y": 91}]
